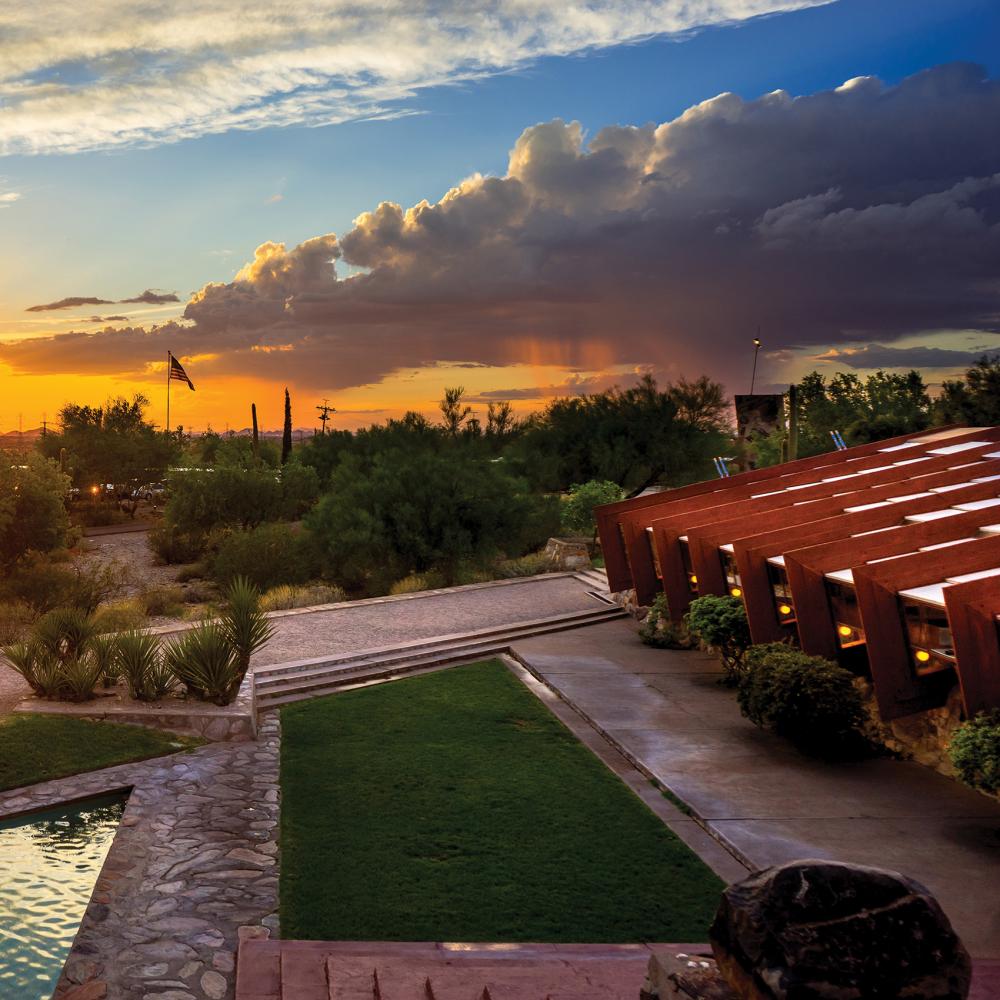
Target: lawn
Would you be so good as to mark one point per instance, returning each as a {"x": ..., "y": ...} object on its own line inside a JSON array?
[
  {"x": 455, "y": 807},
  {"x": 39, "y": 747}
]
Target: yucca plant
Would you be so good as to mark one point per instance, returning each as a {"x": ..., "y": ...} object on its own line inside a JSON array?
[
  {"x": 65, "y": 632},
  {"x": 206, "y": 662},
  {"x": 79, "y": 676},
  {"x": 244, "y": 623},
  {"x": 138, "y": 663},
  {"x": 104, "y": 648},
  {"x": 37, "y": 665}
]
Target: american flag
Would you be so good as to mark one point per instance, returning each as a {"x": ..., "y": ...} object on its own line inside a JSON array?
[{"x": 177, "y": 372}]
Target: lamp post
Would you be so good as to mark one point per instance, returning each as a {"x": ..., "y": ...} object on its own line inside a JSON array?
[{"x": 756, "y": 351}]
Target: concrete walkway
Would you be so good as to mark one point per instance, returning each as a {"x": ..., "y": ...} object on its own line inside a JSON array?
[
  {"x": 359, "y": 625},
  {"x": 763, "y": 799}
]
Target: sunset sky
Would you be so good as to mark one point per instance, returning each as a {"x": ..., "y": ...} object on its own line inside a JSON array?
[{"x": 369, "y": 201}]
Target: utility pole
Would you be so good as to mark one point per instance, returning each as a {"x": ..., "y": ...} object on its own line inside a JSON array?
[{"x": 325, "y": 410}]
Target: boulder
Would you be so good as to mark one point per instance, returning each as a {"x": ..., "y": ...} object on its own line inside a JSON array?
[
  {"x": 821, "y": 930},
  {"x": 568, "y": 553}
]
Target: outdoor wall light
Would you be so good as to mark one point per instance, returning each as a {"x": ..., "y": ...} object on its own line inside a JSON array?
[
  {"x": 736, "y": 592},
  {"x": 693, "y": 578},
  {"x": 845, "y": 630},
  {"x": 785, "y": 609},
  {"x": 922, "y": 655}
]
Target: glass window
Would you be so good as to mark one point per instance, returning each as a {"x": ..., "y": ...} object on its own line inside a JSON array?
[
  {"x": 929, "y": 633},
  {"x": 843, "y": 600},
  {"x": 692, "y": 577},
  {"x": 733, "y": 582},
  {"x": 783, "y": 603}
]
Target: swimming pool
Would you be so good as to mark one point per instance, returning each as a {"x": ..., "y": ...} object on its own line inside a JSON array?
[{"x": 49, "y": 862}]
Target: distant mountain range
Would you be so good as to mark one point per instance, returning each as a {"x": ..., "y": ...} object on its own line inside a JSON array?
[{"x": 26, "y": 439}]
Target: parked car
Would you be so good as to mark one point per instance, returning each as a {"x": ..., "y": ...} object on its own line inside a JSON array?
[{"x": 151, "y": 492}]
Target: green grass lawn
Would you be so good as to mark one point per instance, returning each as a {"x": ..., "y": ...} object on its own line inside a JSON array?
[
  {"x": 39, "y": 747},
  {"x": 455, "y": 807}
]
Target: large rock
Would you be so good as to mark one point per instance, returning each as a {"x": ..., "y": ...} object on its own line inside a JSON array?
[
  {"x": 568, "y": 553},
  {"x": 819, "y": 930}
]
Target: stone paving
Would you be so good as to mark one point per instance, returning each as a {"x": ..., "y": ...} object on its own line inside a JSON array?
[
  {"x": 759, "y": 796},
  {"x": 362, "y": 625},
  {"x": 192, "y": 871}
]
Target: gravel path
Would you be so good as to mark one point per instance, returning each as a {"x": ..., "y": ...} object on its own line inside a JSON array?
[
  {"x": 132, "y": 553},
  {"x": 369, "y": 625},
  {"x": 12, "y": 688}
]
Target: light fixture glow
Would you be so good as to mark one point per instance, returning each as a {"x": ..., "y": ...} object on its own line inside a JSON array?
[
  {"x": 785, "y": 609},
  {"x": 736, "y": 592},
  {"x": 694, "y": 578},
  {"x": 923, "y": 656},
  {"x": 844, "y": 630}
]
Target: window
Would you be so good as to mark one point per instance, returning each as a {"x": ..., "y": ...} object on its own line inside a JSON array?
[
  {"x": 783, "y": 603},
  {"x": 929, "y": 633},
  {"x": 733, "y": 582},
  {"x": 843, "y": 600},
  {"x": 692, "y": 577}
]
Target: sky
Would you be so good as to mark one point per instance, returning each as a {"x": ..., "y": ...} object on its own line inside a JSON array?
[{"x": 367, "y": 202}]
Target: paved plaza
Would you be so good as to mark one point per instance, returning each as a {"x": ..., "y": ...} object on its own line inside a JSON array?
[{"x": 762, "y": 798}]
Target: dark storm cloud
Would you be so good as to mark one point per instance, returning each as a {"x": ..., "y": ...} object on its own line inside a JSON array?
[
  {"x": 868, "y": 212},
  {"x": 70, "y": 302},
  {"x": 880, "y": 356},
  {"x": 151, "y": 297}
]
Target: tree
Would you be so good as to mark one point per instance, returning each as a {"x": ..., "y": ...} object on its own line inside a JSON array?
[
  {"x": 501, "y": 424},
  {"x": 286, "y": 434},
  {"x": 634, "y": 437},
  {"x": 412, "y": 511},
  {"x": 974, "y": 400},
  {"x": 883, "y": 405},
  {"x": 112, "y": 445},
  {"x": 453, "y": 410},
  {"x": 578, "y": 508},
  {"x": 32, "y": 506}
]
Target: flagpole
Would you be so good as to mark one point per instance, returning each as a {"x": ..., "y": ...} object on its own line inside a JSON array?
[{"x": 168, "y": 391}]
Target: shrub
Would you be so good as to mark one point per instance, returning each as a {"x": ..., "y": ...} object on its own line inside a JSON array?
[
  {"x": 206, "y": 663},
  {"x": 44, "y": 585},
  {"x": 268, "y": 556},
  {"x": 720, "y": 623},
  {"x": 530, "y": 565},
  {"x": 120, "y": 616},
  {"x": 79, "y": 676},
  {"x": 99, "y": 515},
  {"x": 659, "y": 630},
  {"x": 39, "y": 667},
  {"x": 140, "y": 666},
  {"x": 164, "y": 602},
  {"x": 196, "y": 571},
  {"x": 65, "y": 633},
  {"x": 171, "y": 545},
  {"x": 578, "y": 509},
  {"x": 243, "y": 623},
  {"x": 16, "y": 618},
  {"x": 32, "y": 506},
  {"x": 806, "y": 699},
  {"x": 975, "y": 751},
  {"x": 286, "y": 596},
  {"x": 417, "y": 582}
]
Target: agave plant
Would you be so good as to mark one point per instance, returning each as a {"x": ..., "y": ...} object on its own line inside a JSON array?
[
  {"x": 244, "y": 623},
  {"x": 206, "y": 662},
  {"x": 139, "y": 664}
]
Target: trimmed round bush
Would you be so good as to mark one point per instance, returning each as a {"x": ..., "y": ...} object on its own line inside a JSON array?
[
  {"x": 809, "y": 700},
  {"x": 975, "y": 752},
  {"x": 720, "y": 624},
  {"x": 660, "y": 631}
]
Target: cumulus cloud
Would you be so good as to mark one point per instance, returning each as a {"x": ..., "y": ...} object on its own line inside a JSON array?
[
  {"x": 880, "y": 356},
  {"x": 183, "y": 68},
  {"x": 152, "y": 297},
  {"x": 861, "y": 214},
  {"x": 7, "y": 198},
  {"x": 71, "y": 302}
]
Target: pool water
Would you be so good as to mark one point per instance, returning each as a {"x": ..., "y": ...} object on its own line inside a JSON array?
[{"x": 49, "y": 862}]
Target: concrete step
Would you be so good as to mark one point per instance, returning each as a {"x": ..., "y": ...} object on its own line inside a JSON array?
[
  {"x": 316, "y": 681},
  {"x": 378, "y": 653},
  {"x": 272, "y": 676}
]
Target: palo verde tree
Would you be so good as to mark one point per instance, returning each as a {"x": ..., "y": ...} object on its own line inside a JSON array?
[
  {"x": 974, "y": 400},
  {"x": 633, "y": 437},
  {"x": 112, "y": 444},
  {"x": 412, "y": 510},
  {"x": 32, "y": 506}
]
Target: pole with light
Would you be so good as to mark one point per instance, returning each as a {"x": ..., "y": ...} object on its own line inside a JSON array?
[{"x": 756, "y": 351}]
